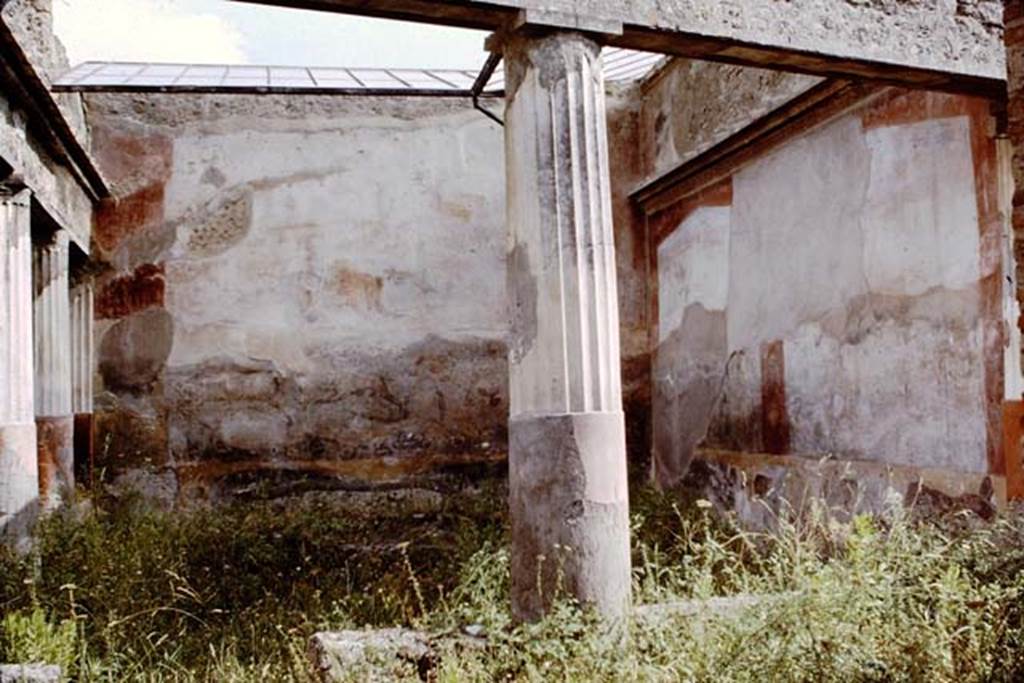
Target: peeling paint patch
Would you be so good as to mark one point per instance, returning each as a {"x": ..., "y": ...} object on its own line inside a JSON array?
[
  {"x": 220, "y": 226},
  {"x": 358, "y": 289},
  {"x": 905, "y": 107},
  {"x": 522, "y": 287},
  {"x": 688, "y": 370},
  {"x": 131, "y": 157}
]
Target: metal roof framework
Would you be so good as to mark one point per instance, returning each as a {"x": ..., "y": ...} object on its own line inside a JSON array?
[{"x": 620, "y": 66}]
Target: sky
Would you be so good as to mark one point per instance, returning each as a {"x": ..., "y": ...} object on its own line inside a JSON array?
[{"x": 226, "y": 32}]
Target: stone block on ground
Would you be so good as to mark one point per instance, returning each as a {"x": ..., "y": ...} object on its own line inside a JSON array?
[
  {"x": 379, "y": 655},
  {"x": 30, "y": 673}
]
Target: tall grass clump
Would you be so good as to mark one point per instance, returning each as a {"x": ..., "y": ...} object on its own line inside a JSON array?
[{"x": 233, "y": 594}]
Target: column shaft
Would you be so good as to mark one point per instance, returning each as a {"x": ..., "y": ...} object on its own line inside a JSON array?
[
  {"x": 19, "y": 476},
  {"x": 82, "y": 375},
  {"x": 53, "y": 369},
  {"x": 567, "y": 454}
]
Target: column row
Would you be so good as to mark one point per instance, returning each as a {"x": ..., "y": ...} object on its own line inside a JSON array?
[
  {"x": 46, "y": 352},
  {"x": 19, "y": 474}
]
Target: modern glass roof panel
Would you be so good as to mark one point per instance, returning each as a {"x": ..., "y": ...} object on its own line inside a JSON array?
[
  {"x": 246, "y": 71},
  {"x": 123, "y": 69},
  {"x": 204, "y": 70},
  {"x": 620, "y": 66},
  {"x": 161, "y": 70},
  {"x": 151, "y": 81}
]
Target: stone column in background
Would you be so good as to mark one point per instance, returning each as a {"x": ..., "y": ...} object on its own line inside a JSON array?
[
  {"x": 82, "y": 374},
  {"x": 52, "y": 324},
  {"x": 567, "y": 451},
  {"x": 19, "y": 474}
]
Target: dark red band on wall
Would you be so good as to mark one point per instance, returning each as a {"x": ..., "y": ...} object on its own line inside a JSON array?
[
  {"x": 1013, "y": 433},
  {"x": 127, "y": 294},
  {"x": 774, "y": 414}
]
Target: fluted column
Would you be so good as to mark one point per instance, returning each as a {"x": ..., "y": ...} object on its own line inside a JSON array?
[
  {"x": 19, "y": 476},
  {"x": 567, "y": 451},
  {"x": 82, "y": 373},
  {"x": 52, "y": 323}
]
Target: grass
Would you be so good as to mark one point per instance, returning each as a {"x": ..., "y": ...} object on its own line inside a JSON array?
[{"x": 233, "y": 594}]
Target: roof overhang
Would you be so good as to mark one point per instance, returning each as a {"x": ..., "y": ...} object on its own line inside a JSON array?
[{"x": 22, "y": 82}]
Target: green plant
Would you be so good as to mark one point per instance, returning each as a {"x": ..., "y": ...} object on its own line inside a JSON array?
[
  {"x": 29, "y": 636},
  {"x": 233, "y": 594}
]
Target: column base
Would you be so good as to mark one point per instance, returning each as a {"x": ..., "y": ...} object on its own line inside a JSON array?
[
  {"x": 56, "y": 449},
  {"x": 569, "y": 505},
  {"x": 19, "y": 485},
  {"x": 84, "y": 444}
]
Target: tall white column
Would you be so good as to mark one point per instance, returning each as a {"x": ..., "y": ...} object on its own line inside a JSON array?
[
  {"x": 82, "y": 346},
  {"x": 52, "y": 324},
  {"x": 19, "y": 474},
  {"x": 569, "y": 502},
  {"x": 82, "y": 350}
]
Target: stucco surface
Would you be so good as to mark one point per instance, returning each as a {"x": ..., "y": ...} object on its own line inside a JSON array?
[
  {"x": 693, "y": 105},
  {"x": 847, "y": 298},
  {"x": 959, "y": 37},
  {"x": 300, "y": 282},
  {"x": 963, "y": 36}
]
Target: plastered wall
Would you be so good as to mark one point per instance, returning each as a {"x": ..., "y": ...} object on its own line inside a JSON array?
[
  {"x": 301, "y": 290},
  {"x": 841, "y": 295},
  {"x": 309, "y": 292}
]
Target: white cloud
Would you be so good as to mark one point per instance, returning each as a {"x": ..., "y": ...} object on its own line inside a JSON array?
[{"x": 145, "y": 30}]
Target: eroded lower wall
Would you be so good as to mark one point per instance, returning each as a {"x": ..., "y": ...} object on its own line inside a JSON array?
[
  {"x": 302, "y": 291},
  {"x": 841, "y": 295}
]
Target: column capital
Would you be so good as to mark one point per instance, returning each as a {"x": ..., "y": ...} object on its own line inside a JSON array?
[
  {"x": 83, "y": 272},
  {"x": 15, "y": 193},
  {"x": 537, "y": 22},
  {"x": 59, "y": 239}
]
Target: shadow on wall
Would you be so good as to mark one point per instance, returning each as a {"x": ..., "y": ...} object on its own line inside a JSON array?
[{"x": 16, "y": 528}]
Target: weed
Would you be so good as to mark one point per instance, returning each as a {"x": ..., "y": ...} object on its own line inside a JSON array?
[{"x": 233, "y": 594}]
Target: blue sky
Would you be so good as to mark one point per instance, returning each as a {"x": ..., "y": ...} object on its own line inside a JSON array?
[{"x": 220, "y": 31}]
